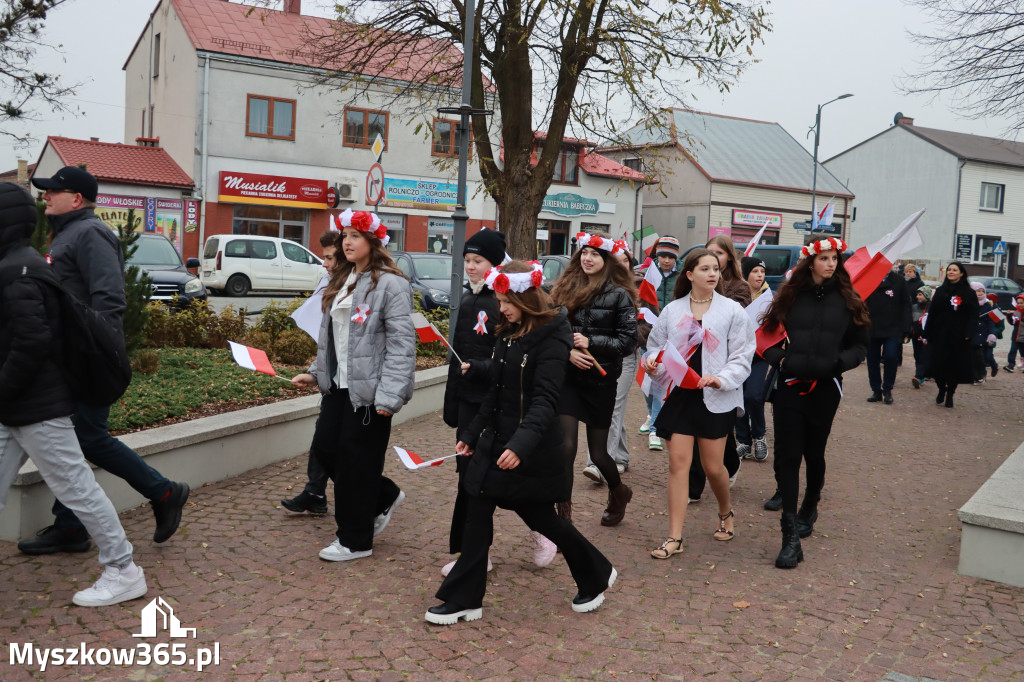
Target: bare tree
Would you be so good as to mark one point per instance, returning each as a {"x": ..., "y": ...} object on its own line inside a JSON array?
[
  {"x": 586, "y": 68},
  {"x": 976, "y": 57},
  {"x": 21, "y": 23}
]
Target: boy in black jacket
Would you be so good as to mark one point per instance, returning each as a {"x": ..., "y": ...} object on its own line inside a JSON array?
[
  {"x": 36, "y": 403},
  {"x": 889, "y": 307}
]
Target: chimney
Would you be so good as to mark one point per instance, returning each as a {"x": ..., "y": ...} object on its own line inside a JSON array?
[
  {"x": 293, "y": 6},
  {"x": 905, "y": 120},
  {"x": 147, "y": 141},
  {"x": 94, "y": 139},
  {"x": 22, "y": 172}
]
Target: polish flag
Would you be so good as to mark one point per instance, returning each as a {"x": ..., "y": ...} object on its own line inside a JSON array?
[
  {"x": 426, "y": 329},
  {"x": 869, "y": 264},
  {"x": 649, "y": 287},
  {"x": 824, "y": 219},
  {"x": 766, "y": 340},
  {"x": 251, "y": 358},
  {"x": 679, "y": 372},
  {"x": 643, "y": 380},
  {"x": 996, "y": 315},
  {"x": 753, "y": 242},
  {"x": 647, "y": 315},
  {"x": 413, "y": 461},
  {"x": 309, "y": 315}
]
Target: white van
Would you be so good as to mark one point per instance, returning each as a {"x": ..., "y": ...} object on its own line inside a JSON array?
[{"x": 237, "y": 264}]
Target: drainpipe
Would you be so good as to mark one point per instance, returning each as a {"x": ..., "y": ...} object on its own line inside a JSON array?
[
  {"x": 203, "y": 164},
  {"x": 956, "y": 208},
  {"x": 636, "y": 220},
  {"x": 149, "y": 83}
]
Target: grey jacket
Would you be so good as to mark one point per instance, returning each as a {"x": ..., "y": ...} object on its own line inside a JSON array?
[
  {"x": 381, "y": 360},
  {"x": 88, "y": 260}
]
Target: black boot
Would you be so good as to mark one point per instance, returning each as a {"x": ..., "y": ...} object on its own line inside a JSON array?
[
  {"x": 807, "y": 515},
  {"x": 949, "y": 397},
  {"x": 941, "y": 396},
  {"x": 774, "y": 504},
  {"x": 791, "y": 553}
]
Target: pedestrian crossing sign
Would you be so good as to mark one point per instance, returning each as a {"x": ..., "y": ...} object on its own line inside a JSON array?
[{"x": 1000, "y": 248}]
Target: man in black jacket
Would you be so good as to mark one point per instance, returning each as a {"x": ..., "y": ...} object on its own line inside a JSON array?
[
  {"x": 36, "y": 402},
  {"x": 889, "y": 307},
  {"x": 87, "y": 259}
]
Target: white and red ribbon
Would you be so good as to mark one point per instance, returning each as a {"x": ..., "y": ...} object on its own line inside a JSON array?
[
  {"x": 481, "y": 322},
  {"x": 361, "y": 312}
]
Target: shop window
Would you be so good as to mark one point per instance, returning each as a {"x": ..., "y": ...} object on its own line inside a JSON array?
[
  {"x": 362, "y": 126},
  {"x": 446, "y": 139},
  {"x": 271, "y": 221},
  {"x": 984, "y": 248},
  {"x": 270, "y": 117},
  {"x": 395, "y": 224},
  {"x": 992, "y": 197}
]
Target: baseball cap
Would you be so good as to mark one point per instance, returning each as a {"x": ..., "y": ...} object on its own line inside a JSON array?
[{"x": 72, "y": 178}]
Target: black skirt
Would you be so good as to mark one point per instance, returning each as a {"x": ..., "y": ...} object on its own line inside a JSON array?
[
  {"x": 685, "y": 413},
  {"x": 592, "y": 405}
]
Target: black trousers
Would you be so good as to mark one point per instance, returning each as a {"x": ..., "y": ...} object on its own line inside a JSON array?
[
  {"x": 802, "y": 426},
  {"x": 467, "y": 411},
  {"x": 350, "y": 444},
  {"x": 466, "y": 584},
  {"x": 731, "y": 459}
]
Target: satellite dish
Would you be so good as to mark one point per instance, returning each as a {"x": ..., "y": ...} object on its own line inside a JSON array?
[{"x": 897, "y": 117}]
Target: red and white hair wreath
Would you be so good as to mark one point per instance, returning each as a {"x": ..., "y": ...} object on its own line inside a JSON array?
[
  {"x": 822, "y": 245},
  {"x": 517, "y": 282},
  {"x": 364, "y": 221},
  {"x": 603, "y": 243}
]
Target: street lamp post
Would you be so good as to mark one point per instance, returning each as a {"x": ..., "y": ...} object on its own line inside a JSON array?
[{"x": 817, "y": 135}]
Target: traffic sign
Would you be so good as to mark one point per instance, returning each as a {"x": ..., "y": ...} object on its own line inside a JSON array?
[
  {"x": 802, "y": 226},
  {"x": 1000, "y": 249},
  {"x": 377, "y": 148},
  {"x": 375, "y": 185}
]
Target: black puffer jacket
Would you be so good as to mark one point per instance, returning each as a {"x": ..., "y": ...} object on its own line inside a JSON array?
[
  {"x": 823, "y": 340},
  {"x": 889, "y": 307},
  {"x": 32, "y": 386},
  {"x": 474, "y": 348},
  {"x": 609, "y": 322},
  {"x": 519, "y": 414}
]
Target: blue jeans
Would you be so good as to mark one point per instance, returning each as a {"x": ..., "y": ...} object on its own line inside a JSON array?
[
  {"x": 1015, "y": 348},
  {"x": 109, "y": 454},
  {"x": 654, "y": 403},
  {"x": 751, "y": 425},
  {"x": 883, "y": 354}
]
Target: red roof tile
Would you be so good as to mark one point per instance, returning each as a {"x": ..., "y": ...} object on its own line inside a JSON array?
[
  {"x": 125, "y": 163},
  {"x": 275, "y": 35},
  {"x": 593, "y": 163}
]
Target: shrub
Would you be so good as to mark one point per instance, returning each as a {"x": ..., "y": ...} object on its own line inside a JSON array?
[
  {"x": 197, "y": 326},
  {"x": 146, "y": 362},
  {"x": 439, "y": 316},
  {"x": 274, "y": 320},
  {"x": 261, "y": 340},
  {"x": 294, "y": 347}
]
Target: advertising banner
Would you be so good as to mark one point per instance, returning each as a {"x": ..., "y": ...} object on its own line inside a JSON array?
[
  {"x": 424, "y": 194},
  {"x": 271, "y": 190},
  {"x": 567, "y": 204},
  {"x": 756, "y": 218},
  {"x": 152, "y": 215}
]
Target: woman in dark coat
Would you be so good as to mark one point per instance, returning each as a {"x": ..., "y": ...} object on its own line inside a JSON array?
[
  {"x": 514, "y": 444},
  {"x": 601, "y": 304},
  {"x": 952, "y": 318}
]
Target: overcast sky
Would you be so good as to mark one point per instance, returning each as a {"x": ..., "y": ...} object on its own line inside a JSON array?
[{"x": 817, "y": 51}]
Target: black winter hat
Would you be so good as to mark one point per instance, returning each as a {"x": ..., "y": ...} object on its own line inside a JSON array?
[
  {"x": 489, "y": 244},
  {"x": 748, "y": 263},
  {"x": 17, "y": 210}
]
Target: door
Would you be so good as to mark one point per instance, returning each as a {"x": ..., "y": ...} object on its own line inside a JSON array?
[
  {"x": 265, "y": 264},
  {"x": 209, "y": 263},
  {"x": 300, "y": 270}
]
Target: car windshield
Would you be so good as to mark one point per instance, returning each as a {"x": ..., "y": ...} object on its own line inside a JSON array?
[
  {"x": 433, "y": 267},
  {"x": 155, "y": 252}
]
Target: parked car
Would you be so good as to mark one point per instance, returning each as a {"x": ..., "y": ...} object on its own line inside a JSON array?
[
  {"x": 553, "y": 267},
  {"x": 238, "y": 264},
  {"x": 1005, "y": 289},
  {"x": 778, "y": 260},
  {"x": 430, "y": 274},
  {"x": 172, "y": 282}
]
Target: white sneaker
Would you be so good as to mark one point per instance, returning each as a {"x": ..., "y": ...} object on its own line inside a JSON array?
[
  {"x": 339, "y": 552},
  {"x": 646, "y": 426},
  {"x": 621, "y": 467},
  {"x": 543, "y": 549},
  {"x": 654, "y": 443},
  {"x": 583, "y": 605},
  {"x": 384, "y": 518},
  {"x": 593, "y": 473},
  {"x": 732, "y": 479},
  {"x": 447, "y": 568},
  {"x": 114, "y": 586}
]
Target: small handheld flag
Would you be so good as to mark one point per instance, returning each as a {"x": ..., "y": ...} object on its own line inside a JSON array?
[
  {"x": 254, "y": 359},
  {"x": 428, "y": 333},
  {"x": 996, "y": 315},
  {"x": 649, "y": 287},
  {"x": 413, "y": 461},
  {"x": 749, "y": 251}
]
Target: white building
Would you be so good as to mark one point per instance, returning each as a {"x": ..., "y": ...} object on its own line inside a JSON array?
[{"x": 972, "y": 188}]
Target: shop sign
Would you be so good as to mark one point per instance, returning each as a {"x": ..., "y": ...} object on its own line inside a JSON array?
[
  {"x": 152, "y": 214},
  {"x": 440, "y": 225},
  {"x": 424, "y": 194},
  {"x": 191, "y": 215},
  {"x": 567, "y": 204},
  {"x": 964, "y": 247},
  {"x": 271, "y": 190},
  {"x": 756, "y": 219},
  {"x": 715, "y": 231}
]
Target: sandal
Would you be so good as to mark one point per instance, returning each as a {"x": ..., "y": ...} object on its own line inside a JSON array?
[
  {"x": 721, "y": 533},
  {"x": 664, "y": 552}
]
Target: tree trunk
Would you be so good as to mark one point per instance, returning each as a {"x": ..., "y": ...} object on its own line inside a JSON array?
[{"x": 517, "y": 215}]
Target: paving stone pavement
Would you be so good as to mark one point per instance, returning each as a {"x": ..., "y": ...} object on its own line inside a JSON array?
[{"x": 877, "y": 598}]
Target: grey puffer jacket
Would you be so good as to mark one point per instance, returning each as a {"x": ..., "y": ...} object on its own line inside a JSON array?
[{"x": 381, "y": 360}]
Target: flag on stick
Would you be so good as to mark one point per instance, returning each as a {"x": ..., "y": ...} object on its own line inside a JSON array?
[
  {"x": 678, "y": 371},
  {"x": 869, "y": 264},
  {"x": 428, "y": 333},
  {"x": 647, "y": 315},
  {"x": 759, "y": 306},
  {"x": 823, "y": 220},
  {"x": 996, "y": 315},
  {"x": 251, "y": 358},
  {"x": 647, "y": 238},
  {"x": 649, "y": 287},
  {"x": 413, "y": 461},
  {"x": 642, "y": 379},
  {"x": 753, "y": 242},
  {"x": 308, "y": 315}
]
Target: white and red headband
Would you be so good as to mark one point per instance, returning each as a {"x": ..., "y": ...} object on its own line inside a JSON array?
[
  {"x": 516, "y": 282},
  {"x": 364, "y": 221},
  {"x": 604, "y": 243},
  {"x": 822, "y": 245}
]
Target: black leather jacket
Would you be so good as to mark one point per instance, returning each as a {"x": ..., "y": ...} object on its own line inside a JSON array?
[{"x": 609, "y": 322}]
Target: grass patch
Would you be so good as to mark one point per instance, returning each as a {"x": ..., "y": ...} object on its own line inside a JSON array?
[{"x": 192, "y": 378}]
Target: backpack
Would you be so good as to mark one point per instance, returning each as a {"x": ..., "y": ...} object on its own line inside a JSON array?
[{"x": 92, "y": 352}]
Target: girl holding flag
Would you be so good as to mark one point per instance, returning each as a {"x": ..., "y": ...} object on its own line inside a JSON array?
[
  {"x": 715, "y": 338},
  {"x": 366, "y": 357},
  {"x": 514, "y": 448},
  {"x": 600, "y": 300},
  {"x": 826, "y": 326}
]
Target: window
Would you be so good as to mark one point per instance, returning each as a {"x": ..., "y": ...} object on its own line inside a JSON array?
[
  {"x": 634, "y": 164},
  {"x": 156, "y": 55},
  {"x": 263, "y": 250},
  {"x": 238, "y": 248},
  {"x": 983, "y": 249},
  {"x": 567, "y": 167},
  {"x": 271, "y": 221},
  {"x": 296, "y": 253},
  {"x": 992, "y": 197},
  {"x": 446, "y": 139},
  {"x": 270, "y": 117},
  {"x": 362, "y": 127}
]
